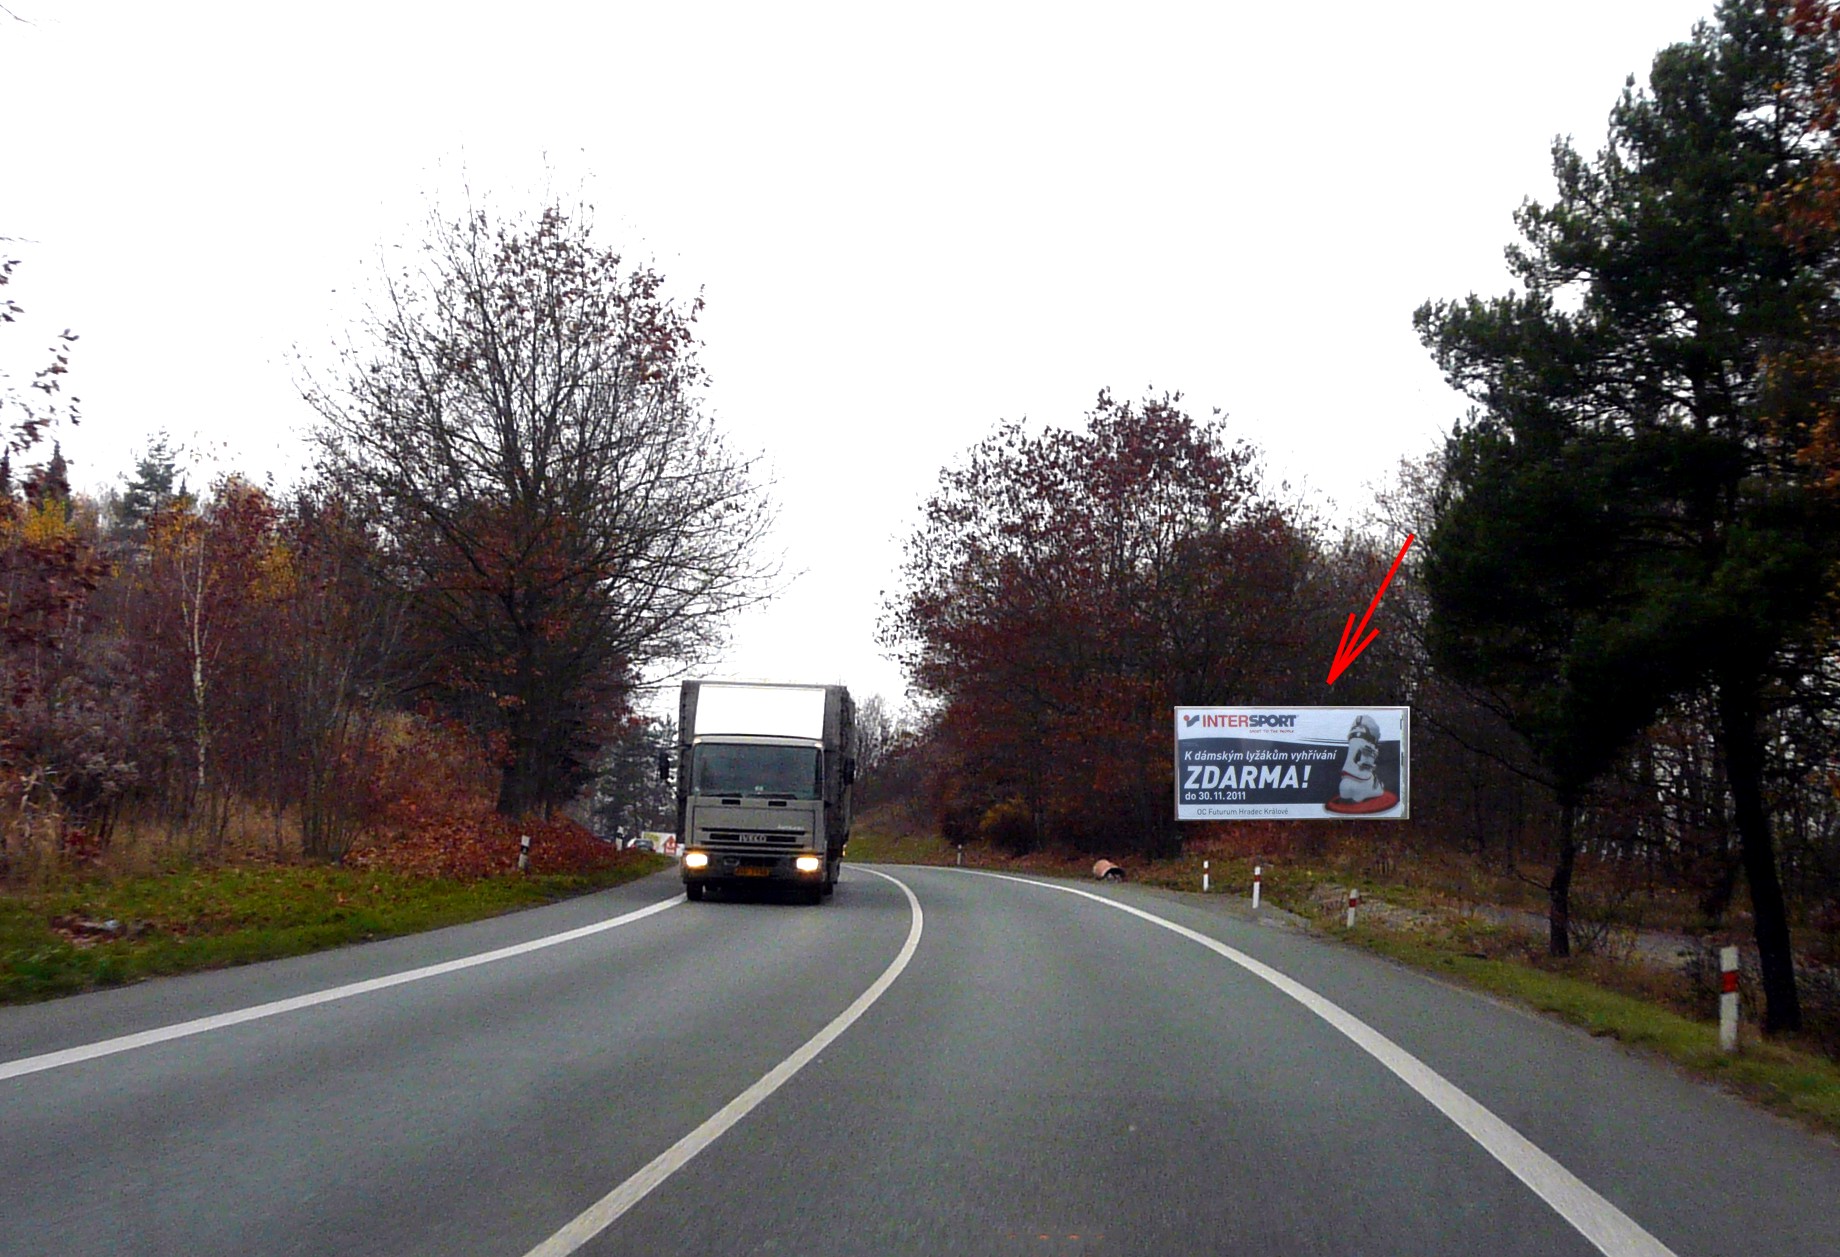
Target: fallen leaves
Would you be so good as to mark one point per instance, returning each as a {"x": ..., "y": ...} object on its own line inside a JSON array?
[{"x": 483, "y": 844}]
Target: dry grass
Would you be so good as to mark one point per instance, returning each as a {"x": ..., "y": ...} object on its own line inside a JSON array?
[
  {"x": 88, "y": 933},
  {"x": 41, "y": 850},
  {"x": 231, "y": 885}
]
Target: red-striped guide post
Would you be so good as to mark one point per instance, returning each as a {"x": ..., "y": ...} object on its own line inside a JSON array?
[{"x": 1728, "y": 998}]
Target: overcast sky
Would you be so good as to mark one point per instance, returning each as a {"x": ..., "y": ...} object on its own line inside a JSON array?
[{"x": 908, "y": 223}]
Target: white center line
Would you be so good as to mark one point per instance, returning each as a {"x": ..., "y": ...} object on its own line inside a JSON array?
[
  {"x": 1614, "y": 1232},
  {"x": 179, "y": 1030},
  {"x": 603, "y": 1212}
]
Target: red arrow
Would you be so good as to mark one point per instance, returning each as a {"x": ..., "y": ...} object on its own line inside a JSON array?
[{"x": 1344, "y": 655}]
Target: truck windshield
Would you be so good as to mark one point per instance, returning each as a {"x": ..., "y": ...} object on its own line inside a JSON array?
[{"x": 778, "y": 772}]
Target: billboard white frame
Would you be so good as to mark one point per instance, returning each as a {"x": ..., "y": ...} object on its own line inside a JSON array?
[{"x": 1293, "y": 763}]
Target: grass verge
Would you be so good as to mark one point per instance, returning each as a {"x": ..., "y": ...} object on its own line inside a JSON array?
[
  {"x": 875, "y": 846},
  {"x": 1778, "y": 1075},
  {"x": 50, "y": 943}
]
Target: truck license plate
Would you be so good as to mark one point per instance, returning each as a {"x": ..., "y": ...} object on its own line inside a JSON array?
[{"x": 753, "y": 870}]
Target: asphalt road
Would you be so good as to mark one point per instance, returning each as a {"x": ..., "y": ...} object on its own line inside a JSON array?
[{"x": 998, "y": 1067}]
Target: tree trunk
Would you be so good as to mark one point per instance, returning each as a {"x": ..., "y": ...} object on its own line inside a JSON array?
[
  {"x": 195, "y": 632},
  {"x": 201, "y": 726},
  {"x": 1559, "y": 890},
  {"x": 1159, "y": 823},
  {"x": 517, "y": 792},
  {"x": 1757, "y": 851},
  {"x": 518, "y": 781},
  {"x": 1715, "y": 900}
]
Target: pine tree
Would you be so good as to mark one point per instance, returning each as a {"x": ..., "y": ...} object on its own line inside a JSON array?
[
  {"x": 152, "y": 487},
  {"x": 1678, "y": 545}
]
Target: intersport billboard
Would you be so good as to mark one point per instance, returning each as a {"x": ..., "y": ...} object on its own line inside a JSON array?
[{"x": 1293, "y": 763}]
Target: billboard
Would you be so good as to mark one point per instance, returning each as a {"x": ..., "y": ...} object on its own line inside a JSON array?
[{"x": 1292, "y": 763}]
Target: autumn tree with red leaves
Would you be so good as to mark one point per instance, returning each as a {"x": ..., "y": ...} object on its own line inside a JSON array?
[
  {"x": 26, "y": 416},
  {"x": 338, "y": 668},
  {"x": 1064, "y": 591},
  {"x": 1804, "y": 371},
  {"x": 56, "y": 709},
  {"x": 523, "y": 423}
]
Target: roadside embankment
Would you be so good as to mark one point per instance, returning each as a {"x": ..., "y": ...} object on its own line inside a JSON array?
[{"x": 85, "y": 930}]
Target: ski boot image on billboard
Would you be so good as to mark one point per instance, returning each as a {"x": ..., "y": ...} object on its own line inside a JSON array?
[{"x": 1362, "y": 792}]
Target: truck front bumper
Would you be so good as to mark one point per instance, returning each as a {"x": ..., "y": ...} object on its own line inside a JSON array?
[{"x": 721, "y": 867}]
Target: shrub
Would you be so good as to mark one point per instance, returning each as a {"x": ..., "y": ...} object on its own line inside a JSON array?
[{"x": 1008, "y": 826}]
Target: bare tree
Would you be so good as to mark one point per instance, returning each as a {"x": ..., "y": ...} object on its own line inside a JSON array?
[
  {"x": 875, "y": 732},
  {"x": 340, "y": 636},
  {"x": 629, "y": 796},
  {"x": 526, "y": 413}
]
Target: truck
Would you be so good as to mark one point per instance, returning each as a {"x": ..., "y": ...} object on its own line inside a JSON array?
[{"x": 764, "y": 772}]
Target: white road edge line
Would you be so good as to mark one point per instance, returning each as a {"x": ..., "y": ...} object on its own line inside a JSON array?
[
  {"x": 605, "y": 1211},
  {"x": 1614, "y": 1232},
  {"x": 201, "y": 1025}
]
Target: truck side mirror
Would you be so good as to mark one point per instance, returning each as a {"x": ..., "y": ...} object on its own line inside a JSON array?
[
  {"x": 664, "y": 765},
  {"x": 849, "y": 770}
]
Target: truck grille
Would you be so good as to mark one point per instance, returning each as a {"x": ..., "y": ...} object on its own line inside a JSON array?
[{"x": 752, "y": 842}]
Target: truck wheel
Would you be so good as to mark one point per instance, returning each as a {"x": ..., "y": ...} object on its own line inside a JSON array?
[
  {"x": 693, "y": 891},
  {"x": 829, "y": 887}
]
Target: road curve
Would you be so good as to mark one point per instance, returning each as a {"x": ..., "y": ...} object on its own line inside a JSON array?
[{"x": 1046, "y": 1074}]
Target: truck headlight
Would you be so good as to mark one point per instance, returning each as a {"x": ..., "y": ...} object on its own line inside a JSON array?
[
  {"x": 696, "y": 859},
  {"x": 808, "y": 864}
]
